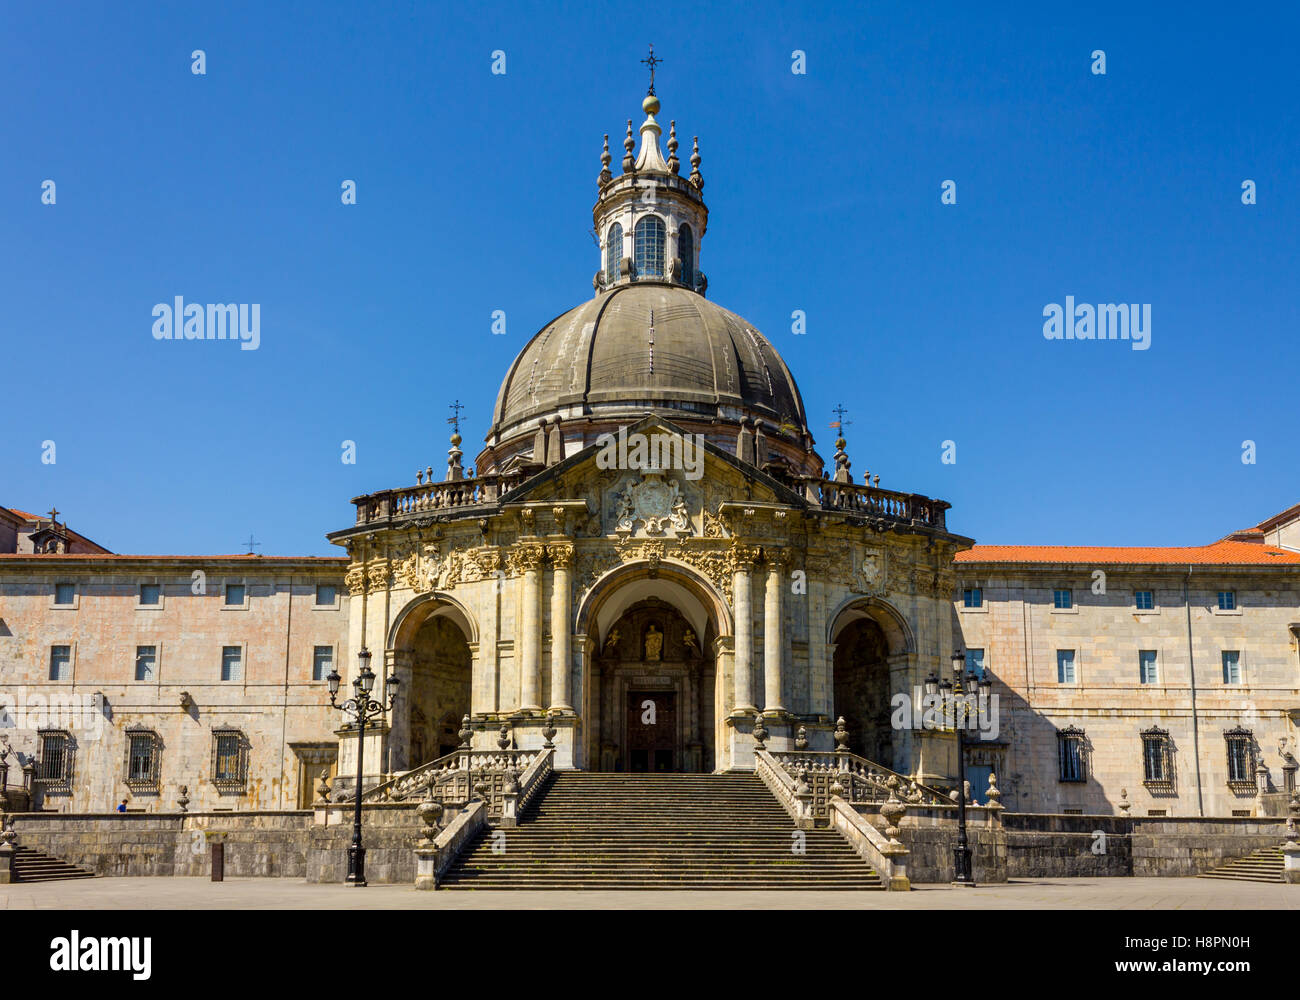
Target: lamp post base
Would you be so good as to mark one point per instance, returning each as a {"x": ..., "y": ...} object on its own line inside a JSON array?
[
  {"x": 961, "y": 867},
  {"x": 356, "y": 867}
]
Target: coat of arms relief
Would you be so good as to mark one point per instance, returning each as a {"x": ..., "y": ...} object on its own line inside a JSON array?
[
  {"x": 869, "y": 571},
  {"x": 653, "y": 502}
]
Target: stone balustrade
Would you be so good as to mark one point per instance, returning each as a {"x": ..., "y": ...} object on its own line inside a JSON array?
[
  {"x": 909, "y": 508},
  {"x": 434, "y": 498}
]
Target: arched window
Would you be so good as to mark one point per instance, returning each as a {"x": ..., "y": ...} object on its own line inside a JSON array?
[
  {"x": 613, "y": 252},
  {"x": 686, "y": 254},
  {"x": 650, "y": 247}
]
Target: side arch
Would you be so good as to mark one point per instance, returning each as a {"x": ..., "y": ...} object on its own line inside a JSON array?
[
  {"x": 435, "y": 604},
  {"x": 891, "y": 621}
]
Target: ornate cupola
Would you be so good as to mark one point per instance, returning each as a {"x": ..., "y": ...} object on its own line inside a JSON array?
[{"x": 648, "y": 219}]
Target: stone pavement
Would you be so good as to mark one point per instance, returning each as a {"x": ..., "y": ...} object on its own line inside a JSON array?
[{"x": 272, "y": 894}]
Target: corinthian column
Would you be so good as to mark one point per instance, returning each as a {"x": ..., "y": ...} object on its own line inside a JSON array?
[
  {"x": 773, "y": 640},
  {"x": 530, "y": 629},
  {"x": 741, "y": 589},
  {"x": 561, "y": 626}
]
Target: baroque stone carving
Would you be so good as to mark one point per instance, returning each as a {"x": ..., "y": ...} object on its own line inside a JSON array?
[
  {"x": 561, "y": 554},
  {"x": 356, "y": 580},
  {"x": 870, "y": 571},
  {"x": 652, "y": 502}
]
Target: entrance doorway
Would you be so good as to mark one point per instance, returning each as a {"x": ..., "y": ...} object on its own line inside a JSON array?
[{"x": 652, "y": 731}]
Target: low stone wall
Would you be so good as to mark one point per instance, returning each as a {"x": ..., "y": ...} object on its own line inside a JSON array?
[
  {"x": 930, "y": 833},
  {"x": 1046, "y": 845},
  {"x": 257, "y": 844}
]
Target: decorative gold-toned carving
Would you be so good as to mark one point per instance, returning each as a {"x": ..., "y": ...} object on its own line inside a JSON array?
[
  {"x": 379, "y": 574},
  {"x": 356, "y": 580},
  {"x": 744, "y": 556},
  {"x": 527, "y": 521},
  {"x": 713, "y": 525},
  {"x": 561, "y": 553},
  {"x": 525, "y": 557}
]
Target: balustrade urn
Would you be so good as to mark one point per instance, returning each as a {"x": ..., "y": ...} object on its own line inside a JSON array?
[
  {"x": 466, "y": 732},
  {"x": 801, "y": 739},
  {"x": 841, "y": 735},
  {"x": 430, "y": 812},
  {"x": 549, "y": 731},
  {"x": 503, "y": 737},
  {"x": 760, "y": 733}
]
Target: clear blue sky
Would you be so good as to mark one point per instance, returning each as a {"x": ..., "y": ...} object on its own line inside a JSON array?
[{"x": 475, "y": 194}]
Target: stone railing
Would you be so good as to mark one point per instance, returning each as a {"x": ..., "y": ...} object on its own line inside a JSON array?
[
  {"x": 458, "y": 777},
  {"x": 434, "y": 857},
  {"x": 530, "y": 785},
  {"x": 912, "y": 508},
  {"x": 883, "y": 852},
  {"x": 435, "y": 498},
  {"x": 853, "y": 778},
  {"x": 787, "y": 791}
]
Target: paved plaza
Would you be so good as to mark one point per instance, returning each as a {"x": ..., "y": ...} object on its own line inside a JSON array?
[{"x": 272, "y": 894}]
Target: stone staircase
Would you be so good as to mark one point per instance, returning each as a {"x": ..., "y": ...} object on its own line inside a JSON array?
[
  {"x": 1264, "y": 865},
  {"x": 658, "y": 831},
  {"x": 31, "y": 865}
]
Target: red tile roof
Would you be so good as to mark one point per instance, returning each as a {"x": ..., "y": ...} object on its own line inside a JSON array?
[{"x": 1225, "y": 553}]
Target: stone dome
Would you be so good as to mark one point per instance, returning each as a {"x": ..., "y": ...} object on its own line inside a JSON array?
[{"x": 649, "y": 347}]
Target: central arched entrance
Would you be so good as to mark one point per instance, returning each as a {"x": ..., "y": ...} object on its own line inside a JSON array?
[{"x": 649, "y": 670}]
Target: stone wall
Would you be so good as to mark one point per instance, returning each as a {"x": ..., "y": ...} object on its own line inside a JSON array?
[
  {"x": 1044, "y": 845},
  {"x": 257, "y": 844}
]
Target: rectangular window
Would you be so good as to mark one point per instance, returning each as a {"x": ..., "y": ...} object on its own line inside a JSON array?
[
  {"x": 322, "y": 662},
  {"x": 1157, "y": 758},
  {"x": 327, "y": 595},
  {"x": 141, "y": 759},
  {"x": 55, "y": 766},
  {"x": 1241, "y": 758},
  {"x": 1147, "y": 672},
  {"x": 975, "y": 662},
  {"x": 146, "y": 660},
  {"x": 150, "y": 593},
  {"x": 65, "y": 594},
  {"x": 229, "y": 760},
  {"x": 232, "y": 663},
  {"x": 1231, "y": 666},
  {"x": 1062, "y": 599},
  {"x": 1144, "y": 600},
  {"x": 1227, "y": 600},
  {"x": 60, "y": 663},
  {"x": 973, "y": 597},
  {"x": 234, "y": 595},
  {"x": 1065, "y": 666},
  {"x": 1072, "y": 755}
]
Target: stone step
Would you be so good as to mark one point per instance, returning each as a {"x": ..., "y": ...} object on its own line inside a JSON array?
[
  {"x": 1263, "y": 865},
  {"x": 31, "y": 865}
]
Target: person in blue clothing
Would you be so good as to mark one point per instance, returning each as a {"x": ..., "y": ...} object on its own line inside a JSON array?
[{"x": 122, "y": 806}]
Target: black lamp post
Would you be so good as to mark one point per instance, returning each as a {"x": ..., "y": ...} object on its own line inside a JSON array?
[
  {"x": 363, "y": 708},
  {"x": 962, "y": 874}
]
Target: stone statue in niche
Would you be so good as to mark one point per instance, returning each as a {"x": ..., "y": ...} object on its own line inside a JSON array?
[
  {"x": 611, "y": 642},
  {"x": 689, "y": 640},
  {"x": 654, "y": 644}
]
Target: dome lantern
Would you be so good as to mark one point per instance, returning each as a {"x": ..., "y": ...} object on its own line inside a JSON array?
[{"x": 650, "y": 221}]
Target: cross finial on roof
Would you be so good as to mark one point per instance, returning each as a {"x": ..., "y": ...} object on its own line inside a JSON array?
[
  {"x": 54, "y": 514},
  {"x": 840, "y": 423},
  {"x": 652, "y": 62},
  {"x": 454, "y": 419},
  {"x": 251, "y": 544}
]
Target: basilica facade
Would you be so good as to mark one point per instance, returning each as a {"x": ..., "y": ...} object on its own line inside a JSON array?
[{"x": 652, "y": 568}]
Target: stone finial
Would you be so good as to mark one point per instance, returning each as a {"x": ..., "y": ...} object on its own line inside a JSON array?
[
  {"x": 841, "y": 735},
  {"x": 745, "y": 442},
  {"x": 323, "y": 787},
  {"x": 539, "y": 443},
  {"x": 994, "y": 794},
  {"x": 696, "y": 178},
  {"x": 430, "y": 812},
  {"x": 1124, "y": 804},
  {"x": 605, "y": 175},
  {"x": 842, "y": 463},
  {"x": 549, "y": 731},
  {"x": 892, "y": 810},
  {"x": 760, "y": 733},
  {"x": 466, "y": 732},
  {"x": 674, "y": 164},
  {"x": 419, "y": 477},
  {"x": 183, "y": 800},
  {"x": 503, "y": 737},
  {"x": 801, "y": 739},
  {"x": 454, "y": 470},
  {"x": 629, "y": 161}
]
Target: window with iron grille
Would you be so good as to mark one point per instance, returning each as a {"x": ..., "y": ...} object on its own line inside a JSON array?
[
  {"x": 1072, "y": 754},
  {"x": 1157, "y": 759},
  {"x": 229, "y": 760},
  {"x": 649, "y": 247},
  {"x": 143, "y": 753},
  {"x": 54, "y": 768},
  {"x": 1241, "y": 759}
]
